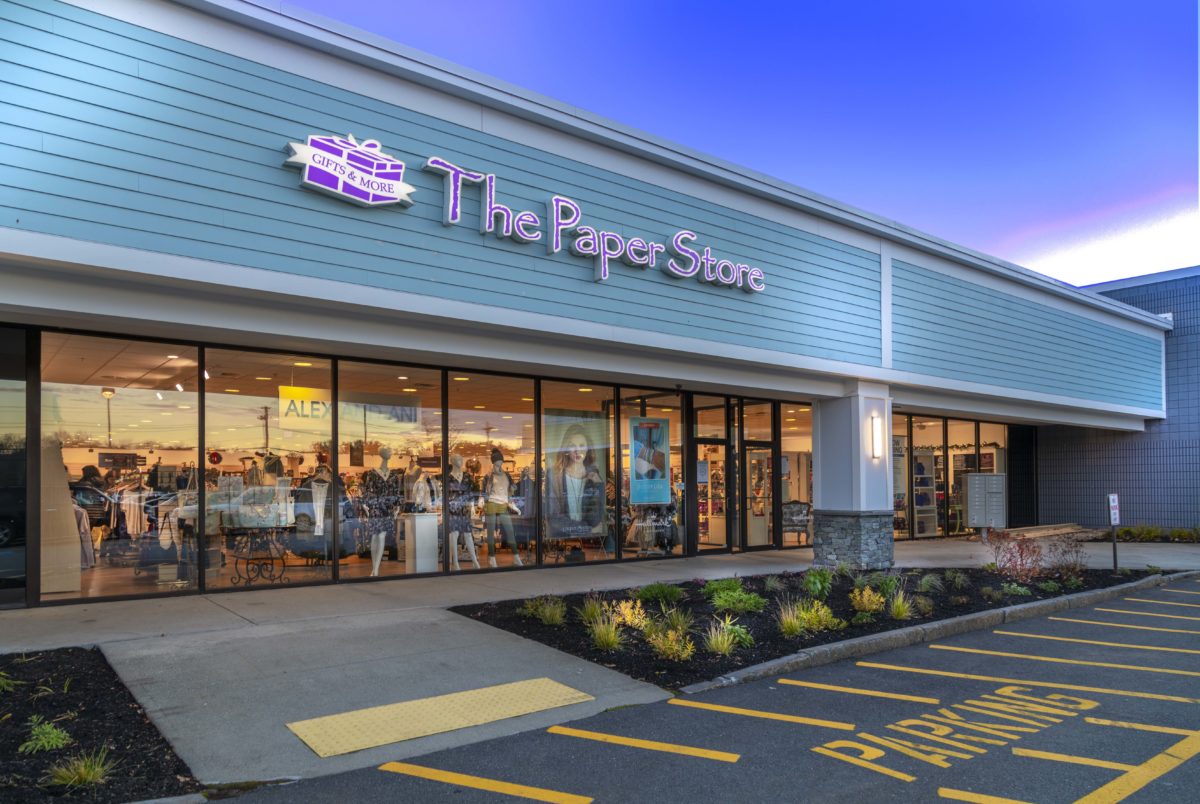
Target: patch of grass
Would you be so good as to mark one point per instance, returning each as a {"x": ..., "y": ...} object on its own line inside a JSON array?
[
  {"x": 1050, "y": 587},
  {"x": 1073, "y": 582},
  {"x": 930, "y": 584},
  {"x": 922, "y": 605},
  {"x": 791, "y": 625},
  {"x": 867, "y": 600},
  {"x": 714, "y": 588},
  {"x": 773, "y": 585},
  {"x": 606, "y": 634},
  {"x": 900, "y": 607},
  {"x": 81, "y": 770},
  {"x": 1153, "y": 570},
  {"x": 885, "y": 583},
  {"x": 8, "y": 683},
  {"x": 738, "y": 601},
  {"x": 591, "y": 610},
  {"x": 817, "y": 583},
  {"x": 991, "y": 595},
  {"x": 44, "y": 736},
  {"x": 862, "y": 618},
  {"x": 718, "y": 640},
  {"x": 677, "y": 619},
  {"x": 1014, "y": 589},
  {"x": 957, "y": 580},
  {"x": 959, "y": 600},
  {"x": 667, "y": 593},
  {"x": 550, "y": 610}
]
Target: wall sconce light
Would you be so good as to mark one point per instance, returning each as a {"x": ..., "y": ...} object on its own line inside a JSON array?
[{"x": 876, "y": 436}]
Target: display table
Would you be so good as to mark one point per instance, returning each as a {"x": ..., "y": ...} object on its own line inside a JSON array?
[{"x": 420, "y": 542}]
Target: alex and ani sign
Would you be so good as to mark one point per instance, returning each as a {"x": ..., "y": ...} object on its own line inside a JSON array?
[{"x": 363, "y": 174}]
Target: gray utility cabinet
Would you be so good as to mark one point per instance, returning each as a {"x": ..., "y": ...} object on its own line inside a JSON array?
[{"x": 987, "y": 500}]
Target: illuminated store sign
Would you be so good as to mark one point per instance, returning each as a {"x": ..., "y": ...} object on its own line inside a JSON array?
[{"x": 363, "y": 174}]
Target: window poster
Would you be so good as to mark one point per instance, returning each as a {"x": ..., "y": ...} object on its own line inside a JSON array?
[
  {"x": 576, "y": 437},
  {"x": 649, "y": 461}
]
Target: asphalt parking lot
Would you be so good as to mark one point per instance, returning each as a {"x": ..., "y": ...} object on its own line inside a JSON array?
[{"x": 1099, "y": 704}]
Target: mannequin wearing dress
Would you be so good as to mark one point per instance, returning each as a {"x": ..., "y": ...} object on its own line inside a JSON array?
[
  {"x": 381, "y": 497},
  {"x": 460, "y": 493}
]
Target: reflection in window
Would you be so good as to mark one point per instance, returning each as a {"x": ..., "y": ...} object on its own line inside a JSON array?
[
  {"x": 993, "y": 448},
  {"x": 119, "y": 467},
  {"x": 269, "y": 487},
  {"x": 759, "y": 480},
  {"x": 712, "y": 470},
  {"x": 579, "y": 501},
  {"x": 795, "y": 475},
  {"x": 652, "y": 478},
  {"x": 390, "y": 457},
  {"x": 929, "y": 477},
  {"x": 492, "y": 464},
  {"x": 960, "y": 437}
]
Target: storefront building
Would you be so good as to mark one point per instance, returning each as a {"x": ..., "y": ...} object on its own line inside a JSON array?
[{"x": 284, "y": 303}]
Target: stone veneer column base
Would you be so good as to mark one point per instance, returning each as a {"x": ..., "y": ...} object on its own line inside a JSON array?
[{"x": 861, "y": 540}]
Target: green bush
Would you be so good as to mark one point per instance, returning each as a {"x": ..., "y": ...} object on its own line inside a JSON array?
[
  {"x": 606, "y": 634},
  {"x": 1125, "y": 534},
  {"x": 591, "y": 610},
  {"x": 922, "y": 605},
  {"x": 862, "y": 618},
  {"x": 550, "y": 610},
  {"x": 43, "y": 736},
  {"x": 1073, "y": 582},
  {"x": 817, "y": 583},
  {"x": 1147, "y": 533},
  {"x": 677, "y": 619},
  {"x": 773, "y": 584},
  {"x": 930, "y": 584},
  {"x": 1015, "y": 590},
  {"x": 738, "y": 601},
  {"x": 719, "y": 641},
  {"x": 712, "y": 588},
  {"x": 667, "y": 593},
  {"x": 1181, "y": 535},
  {"x": 675, "y": 646},
  {"x": 885, "y": 583},
  {"x": 900, "y": 607},
  {"x": 1050, "y": 587},
  {"x": 867, "y": 600},
  {"x": 957, "y": 580},
  {"x": 959, "y": 600},
  {"x": 991, "y": 595}
]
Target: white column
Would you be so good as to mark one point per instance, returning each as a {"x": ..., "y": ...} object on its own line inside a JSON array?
[{"x": 847, "y": 474}]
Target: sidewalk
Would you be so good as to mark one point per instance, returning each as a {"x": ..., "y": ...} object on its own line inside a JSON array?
[{"x": 221, "y": 675}]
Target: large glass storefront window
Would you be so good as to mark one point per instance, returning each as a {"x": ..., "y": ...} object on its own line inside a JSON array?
[
  {"x": 993, "y": 448},
  {"x": 268, "y": 422},
  {"x": 929, "y": 477},
  {"x": 795, "y": 473},
  {"x": 12, "y": 466},
  {"x": 713, "y": 472},
  {"x": 900, "y": 517},
  {"x": 579, "y": 506},
  {"x": 758, "y": 479},
  {"x": 390, "y": 460},
  {"x": 492, "y": 441},
  {"x": 119, "y": 467},
  {"x": 653, "y": 522},
  {"x": 960, "y": 443}
]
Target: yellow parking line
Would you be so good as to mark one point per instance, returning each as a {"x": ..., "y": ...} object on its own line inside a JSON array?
[
  {"x": 649, "y": 745},
  {"x": 896, "y": 696},
  {"x": 481, "y": 783},
  {"x": 975, "y": 798},
  {"x": 734, "y": 710},
  {"x": 1097, "y": 642},
  {"x": 1057, "y": 660},
  {"x": 1132, "y": 781},
  {"x": 1024, "y": 682},
  {"x": 1179, "y": 591},
  {"x": 1124, "y": 724},
  {"x": 1075, "y": 760},
  {"x": 1163, "y": 602},
  {"x": 1125, "y": 625},
  {"x": 1151, "y": 614}
]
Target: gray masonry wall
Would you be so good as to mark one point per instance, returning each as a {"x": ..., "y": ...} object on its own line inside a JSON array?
[{"x": 1157, "y": 472}]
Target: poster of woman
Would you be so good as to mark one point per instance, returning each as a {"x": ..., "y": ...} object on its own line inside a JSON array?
[{"x": 649, "y": 461}]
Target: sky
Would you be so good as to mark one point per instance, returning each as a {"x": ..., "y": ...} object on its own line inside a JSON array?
[{"x": 1057, "y": 134}]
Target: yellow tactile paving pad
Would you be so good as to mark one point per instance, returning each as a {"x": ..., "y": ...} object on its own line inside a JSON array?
[{"x": 380, "y": 725}]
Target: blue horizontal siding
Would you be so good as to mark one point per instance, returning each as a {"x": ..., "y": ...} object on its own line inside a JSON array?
[
  {"x": 122, "y": 135},
  {"x": 948, "y": 327}
]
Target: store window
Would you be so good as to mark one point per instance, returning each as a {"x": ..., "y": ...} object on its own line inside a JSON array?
[
  {"x": 653, "y": 522},
  {"x": 900, "y": 516},
  {"x": 713, "y": 472},
  {"x": 492, "y": 452},
  {"x": 12, "y": 466},
  {"x": 268, "y": 430},
  {"x": 390, "y": 487},
  {"x": 119, "y": 467},
  {"x": 758, "y": 481},
  {"x": 993, "y": 448},
  {"x": 579, "y": 505},
  {"x": 929, "y": 477},
  {"x": 795, "y": 473},
  {"x": 960, "y": 443}
]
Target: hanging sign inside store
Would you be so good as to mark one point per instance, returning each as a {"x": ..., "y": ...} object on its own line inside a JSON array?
[
  {"x": 299, "y": 406},
  {"x": 364, "y": 175},
  {"x": 649, "y": 461}
]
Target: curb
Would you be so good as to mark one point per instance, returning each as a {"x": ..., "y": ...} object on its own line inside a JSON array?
[{"x": 916, "y": 634}]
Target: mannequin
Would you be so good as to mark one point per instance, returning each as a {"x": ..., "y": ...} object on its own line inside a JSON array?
[
  {"x": 381, "y": 497},
  {"x": 498, "y": 488},
  {"x": 460, "y": 494},
  {"x": 254, "y": 475}
]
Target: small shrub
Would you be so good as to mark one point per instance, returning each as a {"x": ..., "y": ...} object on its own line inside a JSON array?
[
  {"x": 959, "y": 600},
  {"x": 861, "y": 580},
  {"x": 628, "y": 612},
  {"x": 82, "y": 770},
  {"x": 1125, "y": 534},
  {"x": 741, "y": 634},
  {"x": 922, "y": 605},
  {"x": 991, "y": 595},
  {"x": 773, "y": 585},
  {"x": 815, "y": 616},
  {"x": 862, "y": 618},
  {"x": 667, "y": 593},
  {"x": 1180, "y": 535},
  {"x": 1147, "y": 533},
  {"x": 677, "y": 619},
  {"x": 1050, "y": 587},
  {"x": 606, "y": 634},
  {"x": 991, "y": 566},
  {"x": 550, "y": 610},
  {"x": 1073, "y": 582},
  {"x": 886, "y": 584},
  {"x": 738, "y": 601},
  {"x": 591, "y": 610},
  {"x": 8, "y": 683},
  {"x": 713, "y": 588},
  {"x": 1154, "y": 570},
  {"x": 843, "y": 570},
  {"x": 791, "y": 625},
  {"x": 1066, "y": 556},
  {"x": 930, "y": 584},
  {"x": 43, "y": 736},
  {"x": 817, "y": 583},
  {"x": 1015, "y": 589},
  {"x": 900, "y": 607},
  {"x": 675, "y": 646},
  {"x": 1021, "y": 560},
  {"x": 718, "y": 640},
  {"x": 867, "y": 600},
  {"x": 957, "y": 580}
]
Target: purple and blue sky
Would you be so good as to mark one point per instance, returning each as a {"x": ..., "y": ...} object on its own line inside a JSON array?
[{"x": 1059, "y": 134}]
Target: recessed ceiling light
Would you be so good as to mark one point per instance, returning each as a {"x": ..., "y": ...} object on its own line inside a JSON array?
[
  {"x": 793, "y": 428},
  {"x": 166, "y": 414},
  {"x": 529, "y": 425},
  {"x": 184, "y": 407},
  {"x": 462, "y": 379},
  {"x": 468, "y": 422},
  {"x": 437, "y": 413},
  {"x": 409, "y": 390},
  {"x": 526, "y": 399},
  {"x": 232, "y": 391},
  {"x": 262, "y": 378},
  {"x": 791, "y": 411},
  {"x": 172, "y": 357},
  {"x": 789, "y": 420},
  {"x": 302, "y": 364},
  {"x": 506, "y": 417},
  {"x": 147, "y": 421},
  {"x": 665, "y": 410},
  {"x": 584, "y": 390},
  {"x": 402, "y": 378},
  {"x": 480, "y": 407},
  {"x": 179, "y": 387},
  {"x": 133, "y": 425}
]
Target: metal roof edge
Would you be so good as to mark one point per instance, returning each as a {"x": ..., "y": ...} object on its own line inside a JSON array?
[
  {"x": 362, "y": 47},
  {"x": 1144, "y": 279}
]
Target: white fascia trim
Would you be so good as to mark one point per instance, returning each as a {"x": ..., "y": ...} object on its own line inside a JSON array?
[
  {"x": 1145, "y": 279},
  {"x": 930, "y": 401},
  {"x": 20, "y": 246},
  {"x": 352, "y": 44}
]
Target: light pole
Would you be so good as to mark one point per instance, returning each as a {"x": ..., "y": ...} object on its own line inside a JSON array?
[{"x": 108, "y": 394}]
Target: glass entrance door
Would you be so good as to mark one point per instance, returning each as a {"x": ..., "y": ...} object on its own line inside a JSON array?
[
  {"x": 712, "y": 473},
  {"x": 759, "y": 482}
]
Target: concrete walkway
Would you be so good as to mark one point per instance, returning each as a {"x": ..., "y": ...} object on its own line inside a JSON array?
[{"x": 221, "y": 675}]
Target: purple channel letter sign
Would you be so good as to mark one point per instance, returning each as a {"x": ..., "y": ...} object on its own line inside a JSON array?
[{"x": 341, "y": 167}]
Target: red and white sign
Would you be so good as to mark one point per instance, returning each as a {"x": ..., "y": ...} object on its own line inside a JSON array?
[{"x": 1114, "y": 510}]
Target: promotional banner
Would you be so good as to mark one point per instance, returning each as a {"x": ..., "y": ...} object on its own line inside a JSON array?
[
  {"x": 304, "y": 408},
  {"x": 649, "y": 461}
]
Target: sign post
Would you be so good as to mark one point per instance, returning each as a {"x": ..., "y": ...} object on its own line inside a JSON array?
[{"x": 1114, "y": 519}]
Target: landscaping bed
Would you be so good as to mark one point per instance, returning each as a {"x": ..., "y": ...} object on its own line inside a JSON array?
[
  {"x": 652, "y": 650},
  {"x": 67, "y": 709}
]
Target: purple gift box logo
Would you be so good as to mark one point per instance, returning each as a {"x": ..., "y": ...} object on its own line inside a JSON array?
[{"x": 359, "y": 173}]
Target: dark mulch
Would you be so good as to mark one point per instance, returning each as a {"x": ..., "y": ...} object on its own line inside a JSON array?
[
  {"x": 79, "y": 689},
  {"x": 637, "y": 660}
]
